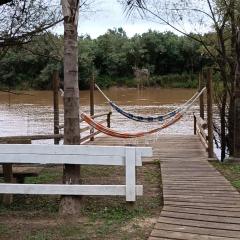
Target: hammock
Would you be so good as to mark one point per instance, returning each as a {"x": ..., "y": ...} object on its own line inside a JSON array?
[
  {"x": 113, "y": 133},
  {"x": 159, "y": 118}
]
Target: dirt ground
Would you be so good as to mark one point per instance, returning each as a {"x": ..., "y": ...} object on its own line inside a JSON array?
[{"x": 37, "y": 217}]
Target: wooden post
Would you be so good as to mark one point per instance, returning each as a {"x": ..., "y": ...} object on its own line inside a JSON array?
[
  {"x": 201, "y": 98},
  {"x": 92, "y": 82},
  {"x": 195, "y": 124},
  {"x": 56, "y": 105},
  {"x": 8, "y": 172},
  {"x": 8, "y": 178},
  {"x": 210, "y": 112},
  {"x": 70, "y": 205},
  {"x": 109, "y": 120}
]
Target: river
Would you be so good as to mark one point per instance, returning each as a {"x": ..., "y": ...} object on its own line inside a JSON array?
[{"x": 32, "y": 113}]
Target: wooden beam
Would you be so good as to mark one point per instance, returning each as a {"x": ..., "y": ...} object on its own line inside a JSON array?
[
  {"x": 56, "y": 106},
  {"x": 92, "y": 84},
  {"x": 201, "y": 98},
  {"x": 59, "y": 189},
  {"x": 210, "y": 112}
]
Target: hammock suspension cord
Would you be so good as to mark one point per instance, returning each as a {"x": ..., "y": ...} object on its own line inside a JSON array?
[{"x": 160, "y": 118}]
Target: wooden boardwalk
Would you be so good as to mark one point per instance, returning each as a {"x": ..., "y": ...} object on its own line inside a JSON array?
[{"x": 199, "y": 203}]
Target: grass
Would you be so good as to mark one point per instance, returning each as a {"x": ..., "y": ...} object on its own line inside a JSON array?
[
  {"x": 37, "y": 218},
  {"x": 231, "y": 171}
]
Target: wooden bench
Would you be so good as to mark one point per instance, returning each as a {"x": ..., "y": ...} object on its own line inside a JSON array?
[
  {"x": 130, "y": 157},
  {"x": 21, "y": 172}
]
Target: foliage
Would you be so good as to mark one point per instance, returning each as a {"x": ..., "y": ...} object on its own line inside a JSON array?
[
  {"x": 219, "y": 45},
  {"x": 110, "y": 58}
]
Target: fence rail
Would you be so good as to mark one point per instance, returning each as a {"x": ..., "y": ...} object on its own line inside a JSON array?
[
  {"x": 61, "y": 136},
  {"x": 200, "y": 125},
  {"x": 129, "y": 157}
]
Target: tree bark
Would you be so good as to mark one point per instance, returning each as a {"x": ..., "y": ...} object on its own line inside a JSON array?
[{"x": 71, "y": 173}]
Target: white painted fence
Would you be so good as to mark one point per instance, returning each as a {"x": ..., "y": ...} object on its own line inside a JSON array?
[{"x": 130, "y": 157}]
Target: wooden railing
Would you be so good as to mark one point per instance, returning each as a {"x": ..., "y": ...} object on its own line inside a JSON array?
[
  {"x": 60, "y": 136},
  {"x": 200, "y": 125},
  {"x": 92, "y": 133}
]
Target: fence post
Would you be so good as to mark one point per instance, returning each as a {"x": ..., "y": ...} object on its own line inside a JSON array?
[
  {"x": 210, "y": 112},
  {"x": 195, "y": 124},
  {"x": 109, "y": 119},
  {"x": 201, "y": 98},
  {"x": 130, "y": 168},
  {"x": 56, "y": 105},
  {"x": 92, "y": 82},
  {"x": 8, "y": 171}
]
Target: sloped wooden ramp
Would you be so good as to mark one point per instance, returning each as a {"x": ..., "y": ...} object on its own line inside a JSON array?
[{"x": 199, "y": 203}]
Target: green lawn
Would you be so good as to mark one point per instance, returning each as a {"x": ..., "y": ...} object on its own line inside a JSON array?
[{"x": 231, "y": 171}]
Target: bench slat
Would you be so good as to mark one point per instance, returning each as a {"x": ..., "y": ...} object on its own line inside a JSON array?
[{"x": 59, "y": 189}]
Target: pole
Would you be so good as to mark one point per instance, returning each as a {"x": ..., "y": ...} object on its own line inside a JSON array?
[
  {"x": 109, "y": 120},
  {"x": 201, "y": 98},
  {"x": 56, "y": 105},
  {"x": 92, "y": 82},
  {"x": 210, "y": 112},
  {"x": 194, "y": 124}
]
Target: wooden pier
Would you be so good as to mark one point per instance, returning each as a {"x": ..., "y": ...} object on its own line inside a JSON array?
[{"x": 199, "y": 203}]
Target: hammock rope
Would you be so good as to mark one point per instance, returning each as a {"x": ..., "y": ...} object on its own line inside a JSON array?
[
  {"x": 148, "y": 119},
  {"x": 114, "y": 133}
]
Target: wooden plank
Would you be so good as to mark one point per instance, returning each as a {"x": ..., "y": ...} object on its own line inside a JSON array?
[
  {"x": 130, "y": 174},
  {"x": 63, "y": 159},
  {"x": 59, "y": 189},
  {"x": 186, "y": 236},
  {"x": 197, "y": 230},
  {"x": 197, "y": 223},
  {"x": 70, "y": 150},
  {"x": 205, "y": 199},
  {"x": 200, "y": 204},
  {"x": 193, "y": 216},
  {"x": 203, "y": 211}
]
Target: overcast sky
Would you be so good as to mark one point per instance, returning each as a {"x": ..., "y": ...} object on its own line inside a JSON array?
[{"x": 109, "y": 14}]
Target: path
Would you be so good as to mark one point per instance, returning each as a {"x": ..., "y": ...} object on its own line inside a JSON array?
[{"x": 199, "y": 203}]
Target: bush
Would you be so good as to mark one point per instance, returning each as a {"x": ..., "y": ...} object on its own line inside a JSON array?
[{"x": 175, "y": 81}]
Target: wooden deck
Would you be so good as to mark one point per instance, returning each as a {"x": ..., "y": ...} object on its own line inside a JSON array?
[{"x": 199, "y": 203}]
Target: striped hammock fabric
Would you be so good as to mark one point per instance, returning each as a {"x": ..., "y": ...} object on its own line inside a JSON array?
[
  {"x": 147, "y": 119},
  {"x": 117, "y": 134}
]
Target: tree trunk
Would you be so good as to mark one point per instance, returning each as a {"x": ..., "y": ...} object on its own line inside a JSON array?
[
  {"x": 71, "y": 173},
  {"x": 223, "y": 125},
  {"x": 237, "y": 102}
]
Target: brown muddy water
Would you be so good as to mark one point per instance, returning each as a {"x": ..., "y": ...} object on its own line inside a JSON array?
[{"x": 33, "y": 113}]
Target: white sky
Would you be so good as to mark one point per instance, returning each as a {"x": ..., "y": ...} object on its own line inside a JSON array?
[{"x": 110, "y": 14}]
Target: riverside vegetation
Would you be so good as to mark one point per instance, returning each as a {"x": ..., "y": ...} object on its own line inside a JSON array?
[{"x": 173, "y": 61}]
